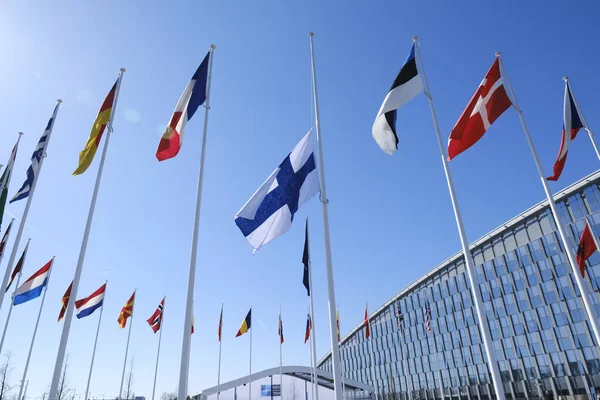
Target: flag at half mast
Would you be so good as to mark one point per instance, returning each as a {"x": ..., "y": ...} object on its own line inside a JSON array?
[{"x": 587, "y": 246}]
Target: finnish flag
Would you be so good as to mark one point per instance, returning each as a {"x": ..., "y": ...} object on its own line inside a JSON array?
[{"x": 270, "y": 211}]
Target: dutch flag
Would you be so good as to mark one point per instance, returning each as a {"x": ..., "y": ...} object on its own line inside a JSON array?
[
  {"x": 91, "y": 303},
  {"x": 32, "y": 287}
]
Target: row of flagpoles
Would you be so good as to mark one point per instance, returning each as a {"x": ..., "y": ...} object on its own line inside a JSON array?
[{"x": 270, "y": 210}]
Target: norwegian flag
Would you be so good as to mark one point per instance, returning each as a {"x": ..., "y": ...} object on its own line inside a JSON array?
[
  {"x": 487, "y": 104},
  {"x": 427, "y": 318},
  {"x": 399, "y": 316},
  {"x": 155, "y": 320}
]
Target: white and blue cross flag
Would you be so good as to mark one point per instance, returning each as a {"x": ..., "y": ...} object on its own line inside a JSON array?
[
  {"x": 36, "y": 157},
  {"x": 270, "y": 211}
]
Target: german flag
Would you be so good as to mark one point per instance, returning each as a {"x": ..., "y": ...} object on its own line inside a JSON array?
[
  {"x": 126, "y": 311},
  {"x": 65, "y": 302},
  {"x": 246, "y": 325},
  {"x": 87, "y": 154}
]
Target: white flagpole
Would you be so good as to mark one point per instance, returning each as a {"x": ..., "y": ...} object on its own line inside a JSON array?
[
  {"x": 337, "y": 315},
  {"x": 312, "y": 370},
  {"x": 25, "y": 392},
  {"x": 187, "y": 328},
  {"x": 250, "y": 374},
  {"x": 470, "y": 265},
  {"x": 158, "y": 351},
  {"x": 585, "y": 295},
  {"x": 313, "y": 340},
  {"x": 87, "y": 387},
  {"x": 13, "y": 253},
  {"x": 37, "y": 322},
  {"x": 69, "y": 313},
  {"x": 335, "y": 356},
  {"x": 373, "y": 378},
  {"x": 220, "y": 347},
  {"x": 125, "y": 360},
  {"x": 12, "y": 296},
  {"x": 585, "y": 125},
  {"x": 280, "y": 358},
  {"x": 7, "y": 238}
]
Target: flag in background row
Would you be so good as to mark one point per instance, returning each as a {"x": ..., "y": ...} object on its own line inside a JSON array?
[
  {"x": 308, "y": 327},
  {"x": 406, "y": 86},
  {"x": 65, "y": 302},
  {"x": 88, "y": 305},
  {"x": 86, "y": 156},
  {"x": 427, "y": 318},
  {"x": 32, "y": 287},
  {"x": 155, "y": 320},
  {"x": 487, "y": 104},
  {"x": 220, "y": 332},
  {"x": 306, "y": 261},
  {"x": 5, "y": 178},
  {"x": 246, "y": 324},
  {"x": 126, "y": 311},
  {"x": 18, "y": 267},
  {"x": 5, "y": 239},
  {"x": 337, "y": 323},
  {"x": 367, "y": 323},
  {"x": 587, "y": 247},
  {"x": 399, "y": 316},
  {"x": 572, "y": 123},
  {"x": 192, "y": 97},
  {"x": 270, "y": 211},
  {"x": 36, "y": 157},
  {"x": 280, "y": 330}
]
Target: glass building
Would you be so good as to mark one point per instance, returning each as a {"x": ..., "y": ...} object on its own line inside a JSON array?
[{"x": 541, "y": 335}]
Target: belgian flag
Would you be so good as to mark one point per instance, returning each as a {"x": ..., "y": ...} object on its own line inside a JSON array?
[{"x": 246, "y": 325}]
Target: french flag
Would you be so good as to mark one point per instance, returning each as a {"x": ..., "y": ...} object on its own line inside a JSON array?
[
  {"x": 192, "y": 97},
  {"x": 32, "y": 287},
  {"x": 91, "y": 303}
]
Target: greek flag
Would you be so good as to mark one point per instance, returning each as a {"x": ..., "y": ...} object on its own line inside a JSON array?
[
  {"x": 36, "y": 160},
  {"x": 270, "y": 211}
]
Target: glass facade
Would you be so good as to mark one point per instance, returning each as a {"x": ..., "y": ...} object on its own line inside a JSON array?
[{"x": 541, "y": 336}]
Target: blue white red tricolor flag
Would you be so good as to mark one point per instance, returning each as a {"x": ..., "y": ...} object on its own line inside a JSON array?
[
  {"x": 36, "y": 158},
  {"x": 32, "y": 287},
  {"x": 91, "y": 303},
  {"x": 308, "y": 327},
  {"x": 192, "y": 97},
  {"x": 572, "y": 123}
]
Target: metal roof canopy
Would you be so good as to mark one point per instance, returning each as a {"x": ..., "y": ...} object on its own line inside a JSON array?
[{"x": 324, "y": 379}]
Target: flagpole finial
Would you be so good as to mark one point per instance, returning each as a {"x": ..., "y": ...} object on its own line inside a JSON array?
[
  {"x": 20, "y": 133},
  {"x": 498, "y": 54},
  {"x": 414, "y": 38},
  {"x": 565, "y": 78},
  {"x": 212, "y": 46},
  {"x": 311, "y": 34},
  {"x": 122, "y": 69},
  {"x": 59, "y": 101}
]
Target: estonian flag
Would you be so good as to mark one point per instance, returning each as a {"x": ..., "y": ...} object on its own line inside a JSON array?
[{"x": 407, "y": 85}]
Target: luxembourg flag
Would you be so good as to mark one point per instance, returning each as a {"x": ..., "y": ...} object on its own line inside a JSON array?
[
  {"x": 91, "y": 303},
  {"x": 192, "y": 97},
  {"x": 32, "y": 287}
]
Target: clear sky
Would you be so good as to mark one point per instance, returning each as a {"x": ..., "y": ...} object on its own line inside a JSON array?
[{"x": 391, "y": 217}]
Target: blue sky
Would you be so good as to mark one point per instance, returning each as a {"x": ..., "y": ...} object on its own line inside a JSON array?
[{"x": 391, "y": 218}]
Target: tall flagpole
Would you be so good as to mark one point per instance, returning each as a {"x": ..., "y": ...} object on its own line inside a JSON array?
[
  {"x": 187, "y": 328},
  {"x": 335, "y": 356},
  {"x": 313, "y": 340},
  {"x": 37, "y": 322},
  {"x": 125, "y": 360},
  {"x": 373, "y": 378},
  {"x": 13, "y": 253},
  {"x": 470, "y": 265},
  {"x": 585, "y": 125},
  {"x": 220, "y": 347},
  {"x": 162, "y": 318},
  {"x": 312, "y": 370},
  {"x": 87, "y": 387},
  {"x": 12, "y": 297},
  {"x": 280, "y": 357},
  {"x": 60, "y": 357},
  {"x": 250, "y": 374},
  {"x": 337, "y": 323},
  {"x": 585, "y": 295}
]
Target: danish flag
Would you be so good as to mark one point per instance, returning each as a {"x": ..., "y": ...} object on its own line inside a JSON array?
[{"x": 488, "y": 103}]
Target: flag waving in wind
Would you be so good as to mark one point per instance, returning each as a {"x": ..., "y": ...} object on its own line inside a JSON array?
[
  {"x": 65, "y": 302},
  {"x": 91, "y": 303},
  {"x": 280, "y": 330},
  {"x": 270, "y": 211},
  {"x": 192, "y": 97},
  {"x": 587, "y": 247},
  {"x": 155, "y": 320},
  {"x": 220, "y": 323},
  {"x": 406, "y": 86},
  {"x": 4, "y": 239},
  {"x": 126, "y": 311},
  {"x": 36, "y": 158},
  {"x": 18, "y": 267},
  {"x": 487, "y": 104},
  {"x": 308, "y": 328},
  {"x": 32, "y": 287},
  {"x": 306, "y": 262},
  {"x": 86, "y": 156},
  {"x": 5, "y": 178},
  {"x": 246, "y": 325},
  {"x": 367, "y": 323},
  {"x": 572, "y": 123}
]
